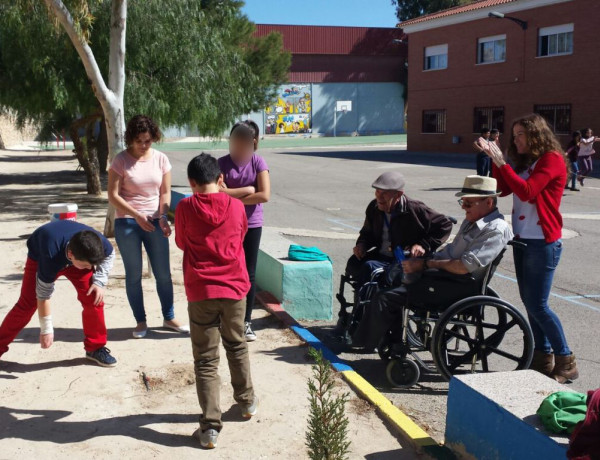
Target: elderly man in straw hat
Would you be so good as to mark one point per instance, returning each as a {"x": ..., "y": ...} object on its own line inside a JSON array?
[
  {"x": 392, "y": 220},
  {"x": 453, "y": 273}
]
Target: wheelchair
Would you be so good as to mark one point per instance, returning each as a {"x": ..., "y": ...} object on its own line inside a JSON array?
[{"x": 479, "y": 333}]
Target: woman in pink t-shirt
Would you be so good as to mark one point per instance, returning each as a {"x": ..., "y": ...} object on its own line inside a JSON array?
[{"x": 139, "y": 187}]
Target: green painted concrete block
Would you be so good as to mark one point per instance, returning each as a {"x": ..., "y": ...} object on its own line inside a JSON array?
[{"x": 305, "y": 289}]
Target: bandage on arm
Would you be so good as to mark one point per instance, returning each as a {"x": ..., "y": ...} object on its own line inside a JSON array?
[{"x": 46, "y": 325}]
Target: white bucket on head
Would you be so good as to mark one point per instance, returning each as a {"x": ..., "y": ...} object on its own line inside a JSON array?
[{"x": 62, "y": 211}]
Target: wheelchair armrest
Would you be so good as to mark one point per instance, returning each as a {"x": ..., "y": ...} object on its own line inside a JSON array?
[{"x": 517, "y": 244}]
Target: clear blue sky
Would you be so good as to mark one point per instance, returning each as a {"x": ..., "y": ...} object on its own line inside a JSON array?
[{"x": 364, "y": 13}]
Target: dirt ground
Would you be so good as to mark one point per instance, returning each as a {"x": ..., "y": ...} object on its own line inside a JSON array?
[{"x": 56, "y": 404}]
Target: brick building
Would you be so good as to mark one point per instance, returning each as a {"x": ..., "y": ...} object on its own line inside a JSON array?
[{"x": 468, "y": 71}]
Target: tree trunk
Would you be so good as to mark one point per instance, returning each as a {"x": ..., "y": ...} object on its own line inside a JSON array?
[
  {"x": 114, "y": 112},
  {"x": 115, "y": 130},
  {"x": 2, "y": 146},
  {"x": 103, "y": 147},
  {"x": 110, "y": 96},
  {"x": 87, "y": 151}
]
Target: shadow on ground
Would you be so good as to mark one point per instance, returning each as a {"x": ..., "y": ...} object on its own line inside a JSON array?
[
  {"x": 71, "y": 335},
  {"x": 38, "y": 158},
  {"x": 447, "y": 160},
  {"x": 66, "y": 185},
  {"x": 47, "y": 426}
]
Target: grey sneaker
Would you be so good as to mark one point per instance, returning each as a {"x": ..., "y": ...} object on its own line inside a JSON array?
[
  {"x": 250, "y": 410},
  {"x": 249, "y": 333},
  {"x": 102, "y": 356},
  {"x": 208, "y": 438}
]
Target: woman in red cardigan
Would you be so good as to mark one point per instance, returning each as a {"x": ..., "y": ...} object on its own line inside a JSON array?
[{"x": 536, "y": 177}]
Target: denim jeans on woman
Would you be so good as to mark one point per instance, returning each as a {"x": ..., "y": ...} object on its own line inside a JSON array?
[
  {"x": 586, "y": 166},
  {"x": 574, "y": 173},
  {"x": 130, "y": 237},
  {"x": 535, "y": 266}
]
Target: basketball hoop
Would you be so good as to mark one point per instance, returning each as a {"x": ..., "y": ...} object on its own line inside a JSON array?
[{"x": 340, "y": 106}]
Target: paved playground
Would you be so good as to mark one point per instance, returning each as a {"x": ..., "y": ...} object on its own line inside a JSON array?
[{"x": 319, "y": 196}]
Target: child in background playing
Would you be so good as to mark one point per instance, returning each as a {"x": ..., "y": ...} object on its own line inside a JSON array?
[
  {"x": 586, "y": 152},
  {"x": 210, "y": 228},
  {"x": 572, "y": 153},
  {"x": 484, "y": 165},
  {"x": 246, "y": 176}
]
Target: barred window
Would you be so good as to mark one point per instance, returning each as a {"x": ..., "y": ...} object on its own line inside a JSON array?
[
  {"x": 558, "y": 117},
  {"x": 488, "y": 118},
  {"x": 434, "y": 121}
]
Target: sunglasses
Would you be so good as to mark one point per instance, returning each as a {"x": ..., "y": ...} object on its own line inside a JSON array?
[{"x": 469, "y": 204}]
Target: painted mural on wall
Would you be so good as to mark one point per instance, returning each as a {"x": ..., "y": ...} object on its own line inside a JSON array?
[{"x": 291, "y": 112}]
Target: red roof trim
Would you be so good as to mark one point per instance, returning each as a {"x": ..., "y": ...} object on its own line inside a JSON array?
[{"x": 456, "y": 10}]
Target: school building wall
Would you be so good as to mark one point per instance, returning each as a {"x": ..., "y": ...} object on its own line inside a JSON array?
[
  {"x": 377, "y": 108},
  {"x": 519, "y": 83}
]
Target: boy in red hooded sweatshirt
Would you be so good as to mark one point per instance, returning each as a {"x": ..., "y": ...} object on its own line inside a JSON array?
[{"x": 210, "y": 228}]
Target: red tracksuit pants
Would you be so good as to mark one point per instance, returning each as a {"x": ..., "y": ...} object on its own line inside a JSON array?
[{"x": 94, "y": 328}]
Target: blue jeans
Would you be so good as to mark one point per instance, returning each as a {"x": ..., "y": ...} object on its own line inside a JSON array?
[
  {"x": 574, "y": 173},
  {"x": 534, "y": 266},
  {"x": 130, "y": 237},
  {"x": 484, "y": 164},
  {"x": 367, "y": 268}
]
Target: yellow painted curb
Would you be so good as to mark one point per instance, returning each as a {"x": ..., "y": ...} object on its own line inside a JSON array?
[{"x": 390, "y": 412}]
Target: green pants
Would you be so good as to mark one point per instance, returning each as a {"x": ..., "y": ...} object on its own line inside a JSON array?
[{"x": 211, "y": 320}]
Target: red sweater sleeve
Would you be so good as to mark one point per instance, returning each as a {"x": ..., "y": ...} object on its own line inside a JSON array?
[
  {"x": 502, "y": 185},
  {"x": 549, "y": 166}
]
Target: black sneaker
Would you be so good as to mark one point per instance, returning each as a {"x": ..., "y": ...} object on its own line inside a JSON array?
[{"x": 101, "y": 356}]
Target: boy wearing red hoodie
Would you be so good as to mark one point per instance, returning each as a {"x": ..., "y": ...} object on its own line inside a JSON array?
[{"x": 209, "y": 229}]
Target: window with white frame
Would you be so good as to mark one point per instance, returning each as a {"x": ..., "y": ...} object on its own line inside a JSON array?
[
  {"x": 436, "y": 57},
  {"x": 491, "y": 49},
  {"x": 555, "y": 40}
]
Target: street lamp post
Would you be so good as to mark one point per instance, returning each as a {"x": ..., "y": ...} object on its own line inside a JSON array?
[{"x": 497, "y": 15}]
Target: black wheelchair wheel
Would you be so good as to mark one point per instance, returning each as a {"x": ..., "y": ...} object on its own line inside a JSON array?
[
  {"x": 402, "y": 373},
  {"x": 481, "y": 334},
  {"x": 501, "y": 320}
]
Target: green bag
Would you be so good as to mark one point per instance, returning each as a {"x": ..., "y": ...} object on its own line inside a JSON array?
[
  {"x": 561, "y": 411},
  {"x": 306, "y": 254}
]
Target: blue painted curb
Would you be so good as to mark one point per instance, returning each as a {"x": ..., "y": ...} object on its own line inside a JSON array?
[{"x": 314, "y": 342}]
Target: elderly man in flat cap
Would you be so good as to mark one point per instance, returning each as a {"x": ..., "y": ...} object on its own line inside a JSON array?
[
  {"x": 392, "y": 220},
  {"x": 451, "y": 274}
]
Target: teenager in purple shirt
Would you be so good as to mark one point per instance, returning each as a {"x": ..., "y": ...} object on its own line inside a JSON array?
[{"x": 246, "y": 177}]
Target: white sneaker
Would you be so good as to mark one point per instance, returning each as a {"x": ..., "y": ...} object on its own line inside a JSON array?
[
  {"x": 249, "y": 333},
  {"x": 208, "y": 438},
  {"x": 250, "y": 410},
  {"x": 185, "y": 329},
  {"x": 140, "y": 334}
]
